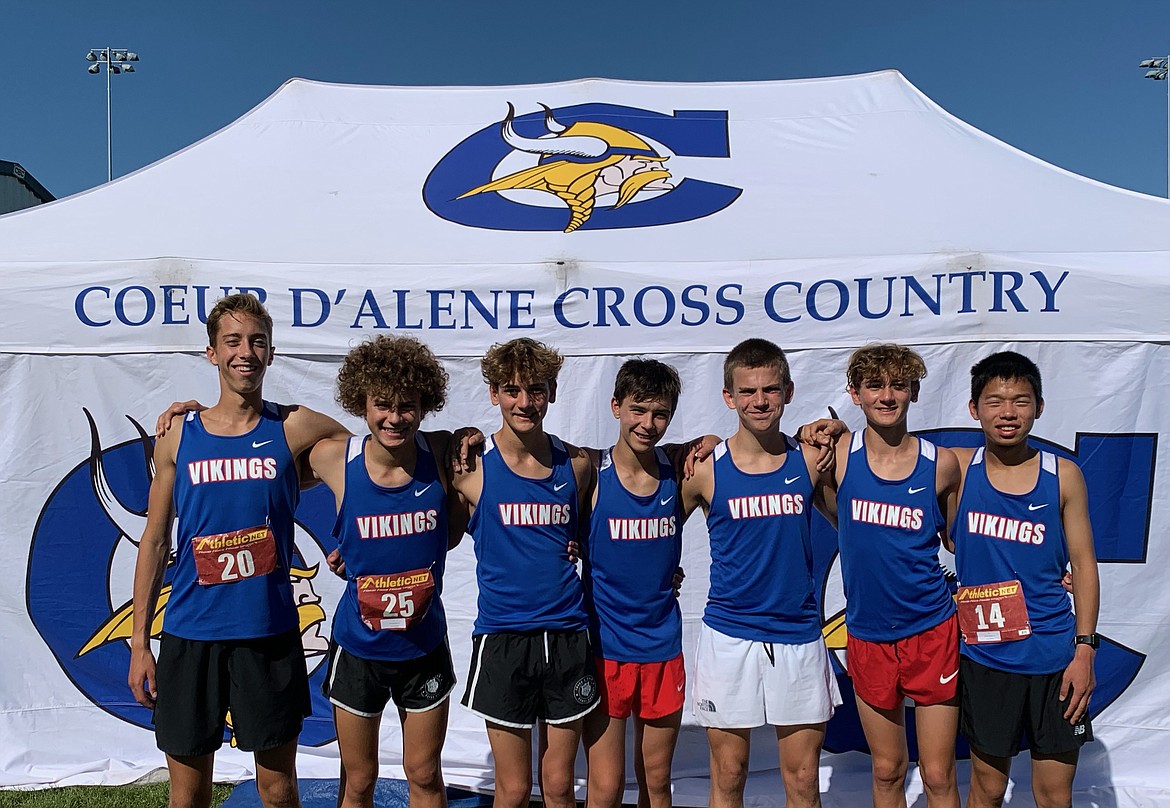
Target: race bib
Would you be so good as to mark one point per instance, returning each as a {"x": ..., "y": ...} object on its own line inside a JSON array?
[
  {"x": 395, "y": 602},
  {"x": 226, "y": 558},
  {"x": 991, "y": 613}
]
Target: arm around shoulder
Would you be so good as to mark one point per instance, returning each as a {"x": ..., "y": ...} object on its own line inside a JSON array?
[
  {"x": 304, "y": 427},
  {"x": 698, "y": 490}
]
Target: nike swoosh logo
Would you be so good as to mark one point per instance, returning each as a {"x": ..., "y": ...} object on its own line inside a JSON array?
[
  {"x": 256, "y": 445},
  {"x": 913, "y": 490},
  {"x": 680, "y": 688},
  {"x": 1037, "y": 507},
  {"x": 422, "y": 491},
  {"x": 559, "y": 487},
  {"x": 665, "y": 501},
  {"x": 942, "y": 680},
  {"x": 791, "y": 480}
]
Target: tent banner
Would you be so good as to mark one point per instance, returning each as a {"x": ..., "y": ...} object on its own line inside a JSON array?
[
  {"x": 592, "y": 308},
  {"x": 74, "y": 503}
]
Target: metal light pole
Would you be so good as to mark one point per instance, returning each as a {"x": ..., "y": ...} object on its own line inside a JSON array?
[
  {"x": 1156, "y": 70},
  {"x": 116, "y": 60}
]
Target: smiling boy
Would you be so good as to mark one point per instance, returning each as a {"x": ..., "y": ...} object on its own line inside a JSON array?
[
  {"x": 230, "y": 635},
  {"x": 530, "y": 658},
  {"x": 1027, "y": 658},
  {"x": 761, "y": 656}
]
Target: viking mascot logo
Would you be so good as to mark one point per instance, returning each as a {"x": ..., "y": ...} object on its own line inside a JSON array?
[{"x": 606, "y": 164}]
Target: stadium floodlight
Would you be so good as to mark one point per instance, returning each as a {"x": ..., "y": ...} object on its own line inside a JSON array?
[
  {"x": 115, "y": 60},
  {"x": 1156, "y": 69}
]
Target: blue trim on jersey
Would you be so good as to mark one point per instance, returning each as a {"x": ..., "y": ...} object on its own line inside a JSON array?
[
  {"x": 761, "y": 551},
  {"x": 522, "y": 529},
  {"x": 377, "y": 530},
  {"x": 209, "y": 501},
  {"x": 1002, "y": 556},
  {"x": 633, "y": 549},
  {"x": 888, "y": 533}
]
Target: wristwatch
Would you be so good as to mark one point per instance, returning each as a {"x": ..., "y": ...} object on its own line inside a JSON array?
[{"x": 1091, "y": 640}]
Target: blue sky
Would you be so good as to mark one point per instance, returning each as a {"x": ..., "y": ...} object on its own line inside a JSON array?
[{"x": 1056, "y": 79}]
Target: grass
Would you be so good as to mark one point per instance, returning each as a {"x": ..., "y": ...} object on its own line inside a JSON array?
[{"x": 148, "y": 796}]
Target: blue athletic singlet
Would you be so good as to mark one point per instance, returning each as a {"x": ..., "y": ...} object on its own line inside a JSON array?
[
  {"x": 522, "y": 529},
  {"x": 387, "y": 531},
  {"x": 889, "y": 540},
  {"x": 761, "y": 552},
  {"x": 223, "y": 485},
  {"x": 634, "y": 547},
  {"x": 1002, "y": 537}
]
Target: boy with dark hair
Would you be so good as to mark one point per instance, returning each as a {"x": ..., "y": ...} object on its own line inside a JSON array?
[
  {"x": 761, "y": 656},
  {"x": 631, "y": 554},
  {"x": 1027, "y": 658},
  {"x": 230, "y": 635},
  {"x": 530, "y": 656},
  {"x": 893, "y": 490},
  {"x": 396, "y": 519}
]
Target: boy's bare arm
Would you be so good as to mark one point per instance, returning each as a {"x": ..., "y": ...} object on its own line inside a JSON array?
[
  {"x": 154, "y": 550},
  {"x": 1079, "y": 680},
  {"x": 824, "y": 483},
  {"x": 947, "y": 479},
  {"x": 698, "y": 490},
  {"x": 304, "y": 427}
]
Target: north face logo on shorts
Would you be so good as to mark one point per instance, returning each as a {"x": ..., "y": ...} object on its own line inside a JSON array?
[{"x": 707, "y": 706}]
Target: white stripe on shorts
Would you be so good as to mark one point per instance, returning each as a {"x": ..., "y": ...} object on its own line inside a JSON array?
[{"x": 743, "y": 683}]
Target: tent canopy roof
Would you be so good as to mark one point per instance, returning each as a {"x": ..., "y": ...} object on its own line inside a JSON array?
[{"x": 836, "y": 167}]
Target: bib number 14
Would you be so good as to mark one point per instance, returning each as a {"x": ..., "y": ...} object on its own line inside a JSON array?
[{"x": 993, "y": 613}]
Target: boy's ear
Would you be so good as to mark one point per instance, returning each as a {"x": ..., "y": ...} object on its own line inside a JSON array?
[
  {"x": 615, "y": 406},
  {"x": 552, "y": 392}
]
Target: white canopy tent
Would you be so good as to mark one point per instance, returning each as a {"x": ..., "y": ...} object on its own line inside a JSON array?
[{"x": 821, "y": 214}]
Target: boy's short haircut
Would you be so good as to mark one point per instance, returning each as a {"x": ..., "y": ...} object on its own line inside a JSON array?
[
  {"x": 647, "y": 380},
  {"x": 232, "y": 304},
  {"x": 755, "y": 353},
  {"x": 885, "y": 362},
  {"x": 524, "y": 359},
  {"x": 1007, "y": 365},
  {"x": 388, "y": 368}
]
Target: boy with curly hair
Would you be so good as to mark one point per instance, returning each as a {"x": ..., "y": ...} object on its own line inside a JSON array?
[
  {"x": 396, "y": 518},
  {"x": 530, "y": 657},
  {"x": 893, "y": 491}
]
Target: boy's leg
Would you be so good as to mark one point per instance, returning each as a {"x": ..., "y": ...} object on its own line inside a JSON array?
[
  {"x": 729, "y": 765},
  {"x": 989, "y": 779},
  {"x": 654, "y": 743},
  {"x": 423, "y": 734},
  {"x": 558, "y": 756},
  {"x": 800, "y": 763},
  {"x": 1052, "y": 779},
  {"x": 357, "y": 740},
  {"x": 937, "y": 726},
  {"x": 885, "y": 732},
  {"x": 276, "y": 776},
  {"x": 605, "y": 751},
  {"x": 190, "y": 780},
  {"x": 512, "y": 756}
]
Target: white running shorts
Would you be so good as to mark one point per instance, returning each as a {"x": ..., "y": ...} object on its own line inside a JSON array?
[{"x": 744, "y": 683}]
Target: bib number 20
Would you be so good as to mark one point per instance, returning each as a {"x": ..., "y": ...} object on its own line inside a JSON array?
[{"x": 237, "y": 565}]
